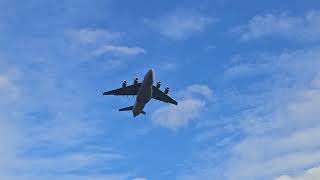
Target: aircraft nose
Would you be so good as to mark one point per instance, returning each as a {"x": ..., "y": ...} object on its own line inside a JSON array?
[
  {"x": 149, "y": 77},
  {"x": 151, "y": 73}
]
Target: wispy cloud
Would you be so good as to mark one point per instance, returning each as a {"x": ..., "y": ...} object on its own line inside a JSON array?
[
  {"x": 139, "y": 179},
  {"x": 188, "y": 109},
  {"x": 180, "y": 24},
  {"x": 167, "y": 66},
  {"x": 267, "y": 64},
  {"x": 197, "y": 89},
  {"x": 305, "y": 28},
  {"x": 119, "y": 51},
  {"x": 311, "y": 174},
  {"x": 100, "y": 43},
  {"x": 285, "y": 121},
  {"x": 92, "y": 36},
  {"x": 174, "y": 117},
  {"x": 9, "y": 90},
  {"x": 289, "y": 131},
  {"x": 68, "y": 177},
  {"x": 44, "y": 138}
]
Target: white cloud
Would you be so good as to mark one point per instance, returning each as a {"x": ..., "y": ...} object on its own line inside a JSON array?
[
  {"x": 67, "y": 177},
  {"x": 94, "y": 43},
  {"x": 243, "y": 71},
  {"x": 311, "y": 174},
  {"x": 300, "y": 28},
  {"x": 167, "y": 66},
  {"x": 202, "y": 90},
  {"x": 188, "y": 109},
  {"x": 279, "y": 135},
  {"x": 9, "y": 90},
  {"x": 11, "y": 139},
  {"x": 305, "y": 110},
  {"x": 139, "y": 179},
  {"x": 75, "y": 161},
  {"x": 174, "y": 117},
  {"x": 92, "y": 36},
  {"x": 272, "y": 65},
  {"x": 42, "y": 138},
  {"x": 180, "y": 24},
  {"x": 289, "y": 133},
  {"x": 119, "y": 51},
  {"x": 252, "y": 158},
  {"x": 11, "y": 136}
]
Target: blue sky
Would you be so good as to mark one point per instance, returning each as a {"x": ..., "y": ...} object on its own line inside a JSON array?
[{"x": 246, "y": 75}]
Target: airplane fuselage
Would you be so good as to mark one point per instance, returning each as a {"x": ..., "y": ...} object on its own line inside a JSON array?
[
  {"x": 144, "y": 91},
  {"x": 144, "y": 94}
]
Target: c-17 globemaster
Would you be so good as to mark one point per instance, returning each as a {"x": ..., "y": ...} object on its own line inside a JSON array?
[{"x": 144, "y": 91}]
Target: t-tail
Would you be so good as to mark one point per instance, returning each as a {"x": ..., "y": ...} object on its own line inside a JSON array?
[{"x": 130, "y": 108}]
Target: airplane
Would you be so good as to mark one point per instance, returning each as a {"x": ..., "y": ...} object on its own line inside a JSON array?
[{"x": 144, "y": 91}]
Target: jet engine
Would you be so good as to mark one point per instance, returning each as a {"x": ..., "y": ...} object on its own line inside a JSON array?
[
  {"x": 166, "y": 91},
  {"x": 124, "y": 84},
  {"x": 158, "y": 84},
  {"x": 136, "y": 80}
]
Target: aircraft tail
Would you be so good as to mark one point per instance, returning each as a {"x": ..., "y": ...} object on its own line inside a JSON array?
[{"x": 130, "y": 108}]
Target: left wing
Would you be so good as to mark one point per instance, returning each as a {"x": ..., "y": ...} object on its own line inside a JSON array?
[
  {"x": 161, "y": 96},
  {"x": 128, "y": 90}
]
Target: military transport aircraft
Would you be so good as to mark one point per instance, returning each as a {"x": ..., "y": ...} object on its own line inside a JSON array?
[{"x": 144, "y": 91}]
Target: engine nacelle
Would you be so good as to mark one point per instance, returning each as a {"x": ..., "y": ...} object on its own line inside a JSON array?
[
  {"x": 166, "y": 91},
  {"x": 158, "y": 84},
  {"x": 124, "y": 84},
  {"x": 136, "y": 81}
]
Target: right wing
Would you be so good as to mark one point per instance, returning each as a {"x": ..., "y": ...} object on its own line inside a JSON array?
[
  {"x": 161, "y": 96},
  {"x": 128, "y": 90}
]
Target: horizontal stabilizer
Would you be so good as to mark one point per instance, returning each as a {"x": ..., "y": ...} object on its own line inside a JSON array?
[
  {"x": 130, "y": 108},
  {"x": 142, "y": 112}
]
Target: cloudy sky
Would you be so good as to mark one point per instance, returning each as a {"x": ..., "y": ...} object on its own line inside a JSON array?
[{"x": 246, "y": 75}]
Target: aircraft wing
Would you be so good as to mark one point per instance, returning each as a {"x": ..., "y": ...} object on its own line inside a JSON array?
[
  {"x": 128, "y": 90},
  {"x": 161, "y": 96}
]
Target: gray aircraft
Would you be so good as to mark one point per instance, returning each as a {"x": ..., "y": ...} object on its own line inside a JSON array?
[{"x": 144, "y": 92}]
